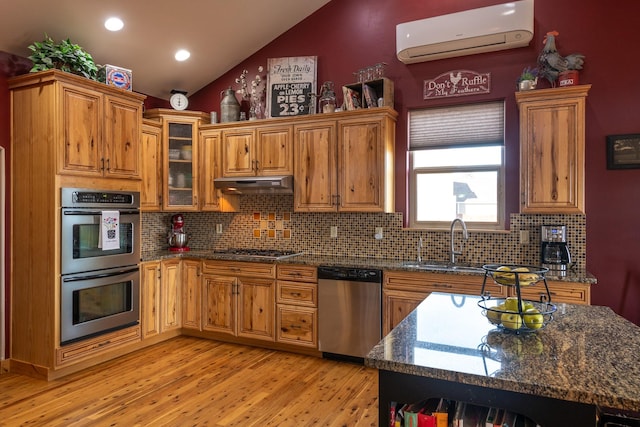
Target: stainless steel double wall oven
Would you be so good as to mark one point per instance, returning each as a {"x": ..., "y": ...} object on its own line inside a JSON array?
[{"x": 100, "y": 285}]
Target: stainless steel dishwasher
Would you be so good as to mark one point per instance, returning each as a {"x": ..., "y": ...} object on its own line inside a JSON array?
[{"x": 349, "y": 311}]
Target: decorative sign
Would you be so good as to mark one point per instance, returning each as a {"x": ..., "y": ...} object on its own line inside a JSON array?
[
  {"x": 457, "y": 83},
  {"x": 291, "y": 85}
]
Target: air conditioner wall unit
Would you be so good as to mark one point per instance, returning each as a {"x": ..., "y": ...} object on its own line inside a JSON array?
[{"x": 487, "y": 29}]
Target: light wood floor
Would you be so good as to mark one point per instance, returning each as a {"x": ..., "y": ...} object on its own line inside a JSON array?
[{"x": 189, "y": 381}]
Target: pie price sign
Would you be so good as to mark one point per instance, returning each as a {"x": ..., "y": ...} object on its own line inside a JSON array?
[{"x": 291, "y": 82}]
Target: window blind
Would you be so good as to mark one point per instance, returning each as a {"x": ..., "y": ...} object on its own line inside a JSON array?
[{"x": 456, "y": 125}]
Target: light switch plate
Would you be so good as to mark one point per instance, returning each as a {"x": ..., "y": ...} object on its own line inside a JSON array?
[
  {"x": 524, "y": 237},
  {"x": 219, "y": 228},
  {"x": 379, "y": 233},
  {"x": 333, "y": 231}
]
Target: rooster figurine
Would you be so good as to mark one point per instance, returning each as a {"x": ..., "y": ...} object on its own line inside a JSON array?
[{"x": 551, "y": 63}]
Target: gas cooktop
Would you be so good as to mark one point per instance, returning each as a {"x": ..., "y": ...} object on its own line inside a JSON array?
[{"x": 272, "y": 254}]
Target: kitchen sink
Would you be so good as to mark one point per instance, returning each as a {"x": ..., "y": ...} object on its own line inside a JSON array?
[{"x": 428, "y": 266}]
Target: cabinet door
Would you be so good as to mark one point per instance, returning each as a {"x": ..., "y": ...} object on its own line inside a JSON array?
[
  {"x": 170, "y": 296},
  {"x": 361, "y": 166},
  {"x": 123, "y": 127},
  {"x": 150, "y": 298},
  {"x": 552, "y": 151},
  {"x": 82, "y": 113},
  {"x": 315, "y": 176},
  {"x": 275, "y": 150},
  {"x": 237, "y": 151},
  {"x": 219, "y": 303},
  {"x": 209, "y": 170},
  {"x": 397, "y": 305},
  {"x": 297, "y": 325},
  {"x": 256, "y": 308},
  {"x": 151, "y": 167},
  {"x": 191, "y": 295},
  {"x": 180, "y": 176}
]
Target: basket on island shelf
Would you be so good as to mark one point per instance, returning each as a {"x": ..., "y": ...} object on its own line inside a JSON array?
[{"x": 514, "y": 313}]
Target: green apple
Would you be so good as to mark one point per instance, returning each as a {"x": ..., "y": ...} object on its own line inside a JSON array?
[
  {"x": 511, "y": 304},
  {"x": 494, "y": 316},
  {"x": 511, "y": 320},
  {"x": 526, "y": 305},
  {"x": 533, "y": 319}
]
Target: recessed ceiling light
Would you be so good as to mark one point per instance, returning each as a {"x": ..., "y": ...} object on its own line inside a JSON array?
[
  {"x": 113, "y": 24},
  {"x": 182, "y": 55}
]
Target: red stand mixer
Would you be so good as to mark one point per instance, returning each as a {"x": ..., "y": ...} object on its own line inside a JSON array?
[{"x": 177, "y": 236}]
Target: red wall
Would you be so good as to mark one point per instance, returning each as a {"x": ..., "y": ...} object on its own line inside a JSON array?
[{"x": 349, "y": 34}]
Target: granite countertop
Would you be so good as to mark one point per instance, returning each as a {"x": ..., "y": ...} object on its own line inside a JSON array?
[
  {"x": 586, "y": 354},
  {"x": 316, "y": 260}
]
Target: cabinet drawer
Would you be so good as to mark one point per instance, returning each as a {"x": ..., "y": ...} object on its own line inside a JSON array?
[
  {"x": 235, "y": 268},
  {"x": 572, "y": 293},
  {"x": 438, "y": 282},
  {"x": 296, "y": 293},
  {"x": 297, "y": 325},
  {"x": 299, "y": 273},
  {"x": 91, "y": 347}
]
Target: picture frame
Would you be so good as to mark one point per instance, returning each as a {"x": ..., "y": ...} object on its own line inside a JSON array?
[
  {"x": 291, "y": 86},
  {"x": 623, "y": 151}
]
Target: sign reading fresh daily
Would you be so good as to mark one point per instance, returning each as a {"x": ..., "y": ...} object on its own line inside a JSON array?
[{"x": 291, "y": 85}]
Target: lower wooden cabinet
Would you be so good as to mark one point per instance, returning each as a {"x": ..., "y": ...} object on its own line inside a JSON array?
[
  {"x": 150, "y": 276},
  {"x": 160, "y": 297},
  {"x": 239, "y": 299},
  {"x": 560, "y": 291},
  {"x": 191, "y": 294},
  {"x": 297, "y": 305},
  {"x": 403, "y": 291}
]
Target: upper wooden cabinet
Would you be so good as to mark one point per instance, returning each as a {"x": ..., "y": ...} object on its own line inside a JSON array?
[
  {"x": 253, "y": 150},
  {"x": 344, "y": 162},
  {"x": 151, "y": 166},
  {"x": 552, "y": 149},
  {"x": 95, "y": 128}
]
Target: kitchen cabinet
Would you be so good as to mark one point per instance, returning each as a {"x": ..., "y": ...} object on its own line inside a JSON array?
[
  {"x": 403, "y": 291},
  {"x": 95, "y": 129},
  {"x": 345, "y": 163},
  {"x": 150, "y": 277},
  {"x": 191, "y": 294},
  {"x": 560, "y": 291},
  {"x": 239, "y": 299},
  {"x": 60, "y": 123},
  {"x": 297, "y": 305},
  {"x": 180, "y": 146},
  {"x": 151, "y": 166},
  {"x": 212, "y": 199},
  {"x": 552, "y": 150},
  {"x": 257, "y": 150},
  {"x": 170, "y": 295}
]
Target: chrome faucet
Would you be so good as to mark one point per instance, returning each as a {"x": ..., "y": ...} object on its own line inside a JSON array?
[
  {"x": 419, "y": 258},
  {"x": 465, "y": 235}
]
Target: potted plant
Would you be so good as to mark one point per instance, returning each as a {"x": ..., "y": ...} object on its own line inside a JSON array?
[
  {"x": 528, "y": 79},
  {"x": 64, "y": 56}
]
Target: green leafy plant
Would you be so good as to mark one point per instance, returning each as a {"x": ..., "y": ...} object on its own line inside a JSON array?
[
  {"x": 65, "y": 56},
  {"x": 528, "y": 74}
]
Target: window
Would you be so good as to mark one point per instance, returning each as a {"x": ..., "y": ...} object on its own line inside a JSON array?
[{"x": 457, "y": 166}]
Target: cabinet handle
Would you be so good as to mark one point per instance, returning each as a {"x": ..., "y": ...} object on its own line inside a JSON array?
[
  {"x": 195, "y": 200},
  {"x": 296, "y": 294},
  {"x": 102, "y": 164},
  {"x": 108, "y": 165},
  {"x": 257, "y": 165}
]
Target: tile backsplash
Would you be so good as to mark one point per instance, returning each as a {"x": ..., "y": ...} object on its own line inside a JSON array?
[{"x": 278, "y": 227}]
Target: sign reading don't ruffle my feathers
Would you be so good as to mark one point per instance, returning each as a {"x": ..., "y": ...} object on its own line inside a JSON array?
[{"x": 457, "y": 83}]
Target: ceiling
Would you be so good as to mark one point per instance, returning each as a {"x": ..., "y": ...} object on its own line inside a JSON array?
[{"x": 219, "y": 34}]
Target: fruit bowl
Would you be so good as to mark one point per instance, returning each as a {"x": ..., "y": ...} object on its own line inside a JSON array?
[
  {"x": 508, "y": 315},
  {"x": 512, "y": 275}
]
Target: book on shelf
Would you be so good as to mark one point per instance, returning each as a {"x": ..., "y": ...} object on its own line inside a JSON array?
[{"x": 370, "y": 96}]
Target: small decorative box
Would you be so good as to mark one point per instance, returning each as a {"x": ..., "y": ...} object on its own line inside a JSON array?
[{"x": 118, "y": 77}]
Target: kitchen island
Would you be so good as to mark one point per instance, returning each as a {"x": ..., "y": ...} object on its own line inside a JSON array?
[{"x": 586, "y": 358}]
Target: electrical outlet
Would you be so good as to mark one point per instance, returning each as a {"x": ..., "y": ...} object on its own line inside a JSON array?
[
  {"x": 219, "y": 228},
  {"x": 379, "y": 233},
  {"x": 334, "y": 231},
  {"x": 524, "y": 237}
]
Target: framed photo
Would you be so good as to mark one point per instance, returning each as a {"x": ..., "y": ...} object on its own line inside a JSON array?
[
  {"x": 623, "y": 151},
  {"x": 291, "y": 85}
]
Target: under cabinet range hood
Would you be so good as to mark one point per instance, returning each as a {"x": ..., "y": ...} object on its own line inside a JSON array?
[{"x": 256, "y": 185}]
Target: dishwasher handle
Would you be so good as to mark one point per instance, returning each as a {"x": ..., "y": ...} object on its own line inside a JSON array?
[{"x": 350, "y": 274}]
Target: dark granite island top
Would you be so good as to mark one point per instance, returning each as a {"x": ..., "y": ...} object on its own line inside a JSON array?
[{"x": 586, "y": 357}]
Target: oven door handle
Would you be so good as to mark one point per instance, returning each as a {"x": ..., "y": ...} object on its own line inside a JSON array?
[
  {"x": 100, "y": 275},
  {"x": 93, "y": 213}
]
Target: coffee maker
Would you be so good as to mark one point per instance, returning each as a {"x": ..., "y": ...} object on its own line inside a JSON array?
[
  {"x": 177, "y": 236},
  {"x": 554, "y": 253}
]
